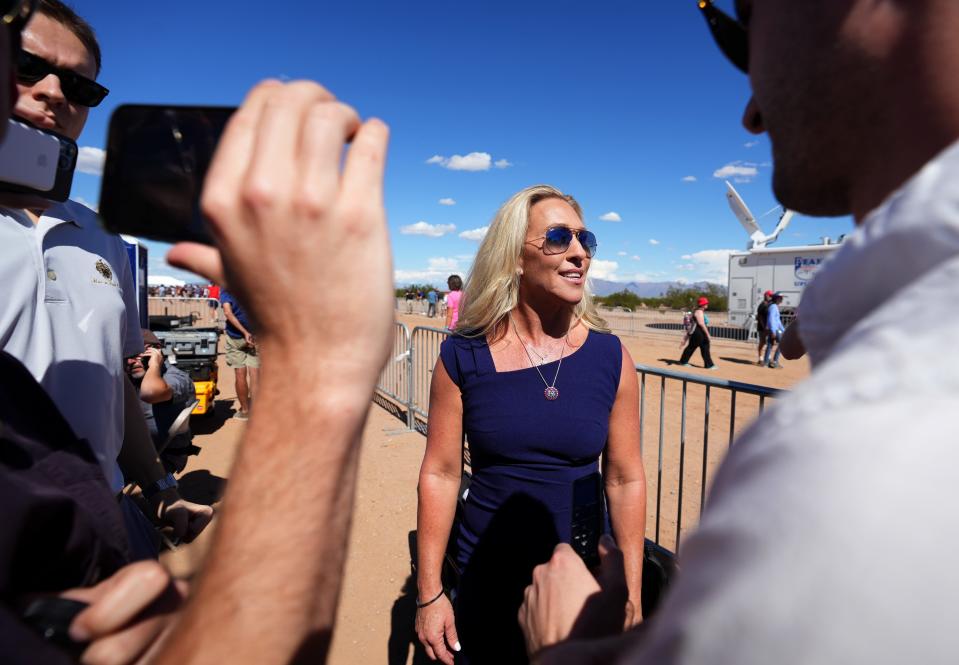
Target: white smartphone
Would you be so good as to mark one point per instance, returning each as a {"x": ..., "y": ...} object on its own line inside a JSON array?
[{"x": 36, "y": 161}]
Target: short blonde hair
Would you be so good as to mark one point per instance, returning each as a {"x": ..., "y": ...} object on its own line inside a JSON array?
[{"x": 492, "y": 287}]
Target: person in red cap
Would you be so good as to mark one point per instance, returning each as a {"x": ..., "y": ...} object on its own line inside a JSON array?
[
  {"x": 699, "y": 337},
  {"x": 762, "y": 331}
]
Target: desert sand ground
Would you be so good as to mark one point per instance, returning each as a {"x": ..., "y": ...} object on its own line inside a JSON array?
[{"x": 377, "y": 604}]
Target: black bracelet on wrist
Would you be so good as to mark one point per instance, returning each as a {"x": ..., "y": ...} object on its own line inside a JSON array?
[{"x": 420, "y": 605}]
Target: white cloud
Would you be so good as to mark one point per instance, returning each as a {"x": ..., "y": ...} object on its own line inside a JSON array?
[
  {"x": 708, "y": 265},
  {"x": 653, "y": 241},
  {"x": 601, "y": 269},
  {"x": 419, "y": 276},
  {"x": 621, "y": 254},
  {"x": 424, "y": 229},
  {"x": 437, "y": 270},
  {"x": 90, "y": 160},
  {"x": 611, "y": 217},
  {"x": 474, "y": 161},
  {"x": 689, "y": 178},
  {"x": 751, "y": 144},
  {"x": 447, "y": 202},
  {"x": 443, "y": 264},
  {"x": 741, "y": 171},
  {"x": 475, "y": 234},
  {"x": 635, "y": 257}
]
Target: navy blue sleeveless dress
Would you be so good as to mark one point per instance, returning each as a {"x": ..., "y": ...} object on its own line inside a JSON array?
[{"x": 526, "y": 452}]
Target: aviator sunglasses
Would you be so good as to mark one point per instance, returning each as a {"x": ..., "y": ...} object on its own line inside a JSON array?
[
  {"x": 730, "y": 34},
  {"x": 78, "y": 89},
  {"x": 558, "y": 239}
]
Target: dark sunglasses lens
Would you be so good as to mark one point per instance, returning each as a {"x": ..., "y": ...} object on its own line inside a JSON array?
[
  {"x": 729, "y": 35},
  {"x": 83, "y": 92},
  {"x": 588, "y": 240},
  {"x": 557, "y": 240},
  {"x": 30, "y": 68}
]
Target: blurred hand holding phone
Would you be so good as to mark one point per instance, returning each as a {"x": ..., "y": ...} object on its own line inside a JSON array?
[{"x": 157, "y": 159}]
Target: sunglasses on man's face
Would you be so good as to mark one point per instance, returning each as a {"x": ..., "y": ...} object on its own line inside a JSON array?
[
  {"x": 731, "y": 34},
  {"x": 78, "y": 89},
  {"x": 558, "y": 239}
]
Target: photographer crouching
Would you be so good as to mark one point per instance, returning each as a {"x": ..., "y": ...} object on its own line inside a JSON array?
[{"x": 165, "y": 392}]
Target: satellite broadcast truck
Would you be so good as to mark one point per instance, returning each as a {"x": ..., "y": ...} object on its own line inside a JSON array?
[{"x": 786, "y": 270}]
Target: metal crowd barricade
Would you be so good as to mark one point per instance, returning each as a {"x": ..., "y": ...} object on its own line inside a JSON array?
[
  {"x": 424, "y": 350},
  {"x": 694, "y": 420},
  {"x": 394, "y": 381},
  {"x": 720, "y": 414},
  {"x": 202, "y": 312},
  {"x": 405, "y": 306}
]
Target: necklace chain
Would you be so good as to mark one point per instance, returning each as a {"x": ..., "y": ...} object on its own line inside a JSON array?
[{"x": 551, "y": 392}]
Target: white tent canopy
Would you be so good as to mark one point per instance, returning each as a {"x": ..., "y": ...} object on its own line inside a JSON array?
[{"x": 164, "y": 280}]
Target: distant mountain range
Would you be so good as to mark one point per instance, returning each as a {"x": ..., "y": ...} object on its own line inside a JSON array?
[{"x": 602, "y": 287}]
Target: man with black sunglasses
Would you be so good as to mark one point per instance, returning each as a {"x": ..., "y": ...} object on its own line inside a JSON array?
[
  {"x": 796, "y": 559},
  {"x": 69, "y": 312}
]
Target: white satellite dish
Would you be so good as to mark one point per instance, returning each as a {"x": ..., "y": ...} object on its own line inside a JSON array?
[{"x": 757, "y": 239}]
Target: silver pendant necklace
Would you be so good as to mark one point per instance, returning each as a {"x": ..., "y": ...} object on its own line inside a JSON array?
[{"x": 552, "y": 392}]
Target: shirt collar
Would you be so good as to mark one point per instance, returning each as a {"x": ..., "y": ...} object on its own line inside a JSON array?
[
  {"x": 66, "y": 212},
  {"x": 914, "y": 230},
  {"x": 56, "y": 214}
]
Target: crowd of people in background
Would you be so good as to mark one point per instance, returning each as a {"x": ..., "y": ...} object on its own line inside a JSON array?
[
  {"x": 181, "y": 291},
  {"x": 438, "y": 303}
]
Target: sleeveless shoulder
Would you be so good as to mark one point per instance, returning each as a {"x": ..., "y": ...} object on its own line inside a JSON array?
[
  {"x": 609, "y": 352},
  {"x": 458, "y": 354}
]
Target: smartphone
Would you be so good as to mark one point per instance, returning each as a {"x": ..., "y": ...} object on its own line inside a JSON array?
[
  {"x": 36, "y": 161},
  {"x": 588, "y": 518},
  {"x": 157, "y": 159}
]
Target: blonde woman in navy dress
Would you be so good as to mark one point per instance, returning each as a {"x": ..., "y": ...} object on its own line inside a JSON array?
[{"x": 541, "y": 388}]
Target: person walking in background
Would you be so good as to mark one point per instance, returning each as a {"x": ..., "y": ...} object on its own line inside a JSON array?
[
  {"x": 761, "y": 329},
  {"x": 774, "y": 330},
  {"x": 241, "y": 352},
  {"x": 453, "y": 301},
  {"x": 431, "y": 298},
  {"x": 699, "y": 338},
  {"x": 542, "y": 389}
]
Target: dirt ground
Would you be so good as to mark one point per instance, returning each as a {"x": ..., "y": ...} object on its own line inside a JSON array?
[{"x": 377, "y": 605}]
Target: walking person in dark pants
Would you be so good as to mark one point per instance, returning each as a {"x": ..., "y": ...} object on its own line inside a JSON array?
[
  {"x": 699, "y": 337},
  {"x": 762, "y": 331},
  {"x": 775, "y": 330}
]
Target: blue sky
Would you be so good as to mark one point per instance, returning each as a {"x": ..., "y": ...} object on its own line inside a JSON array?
[{"x": 626, "y": 105}]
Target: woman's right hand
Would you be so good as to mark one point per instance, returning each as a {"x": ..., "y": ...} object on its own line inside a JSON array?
[{"x": 436, "y": 630}]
